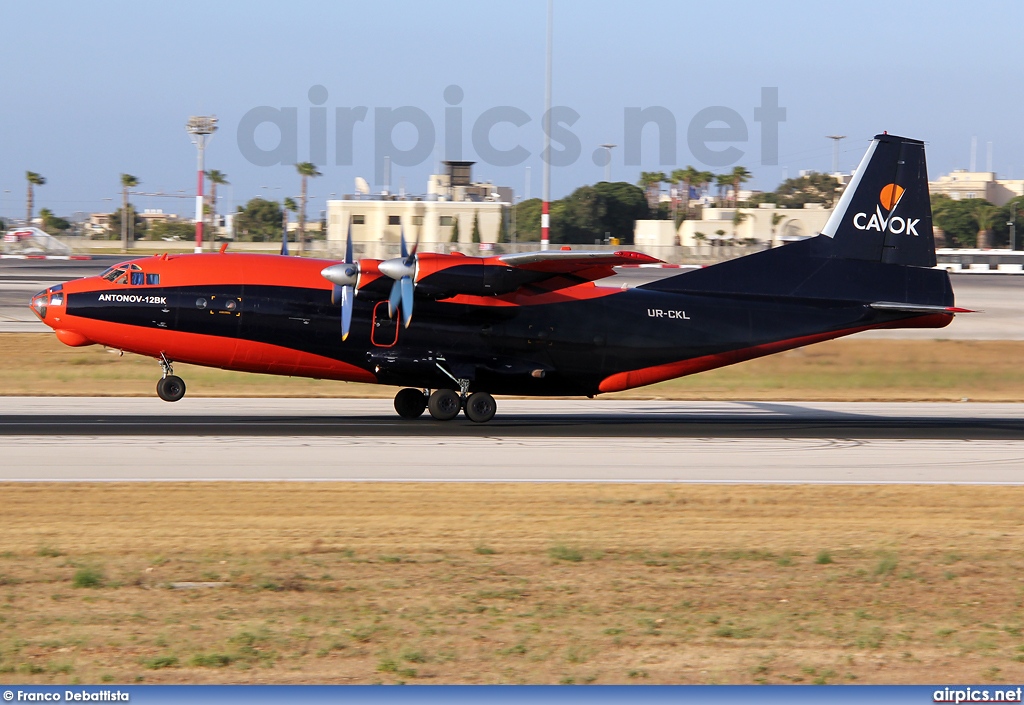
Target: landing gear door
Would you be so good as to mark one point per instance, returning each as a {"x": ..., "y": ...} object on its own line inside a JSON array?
[{"x": 384, "y": 330}]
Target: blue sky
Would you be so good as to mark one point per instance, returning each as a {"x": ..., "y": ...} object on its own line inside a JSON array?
[{"x": 95, "y": 89}]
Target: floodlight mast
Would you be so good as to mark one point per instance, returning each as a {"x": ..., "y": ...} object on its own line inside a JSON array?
[
  {"x": 199, "y": 128},
  {"x": 835, "y": 151}
]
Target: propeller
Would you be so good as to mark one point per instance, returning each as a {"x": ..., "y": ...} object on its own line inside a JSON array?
[
  {"x": 403, "y": 271},
  {"x": 345, "y": 277}
]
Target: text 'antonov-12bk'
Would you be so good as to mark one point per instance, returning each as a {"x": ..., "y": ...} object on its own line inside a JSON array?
[{"x": 533, "y": 324}]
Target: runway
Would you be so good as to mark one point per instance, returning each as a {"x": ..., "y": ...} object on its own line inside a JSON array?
[{"x": 535, "y": 441}]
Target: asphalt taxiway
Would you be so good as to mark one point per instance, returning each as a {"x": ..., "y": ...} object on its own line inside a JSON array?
[{"x": 115, "y": 439}]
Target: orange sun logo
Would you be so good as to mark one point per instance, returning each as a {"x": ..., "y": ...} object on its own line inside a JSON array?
[{"x": 890, "y": 196}]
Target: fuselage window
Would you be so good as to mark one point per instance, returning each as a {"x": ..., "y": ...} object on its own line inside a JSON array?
[
  {"x": 153, "y": 279},
  {"x": 138, "y": 278}
]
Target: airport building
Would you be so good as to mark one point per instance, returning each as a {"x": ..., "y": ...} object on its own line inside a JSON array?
[
  {"x": 977, "y": 184},
  {"x": 377, "y": 220},
  {"x": 766, "y": 225}
]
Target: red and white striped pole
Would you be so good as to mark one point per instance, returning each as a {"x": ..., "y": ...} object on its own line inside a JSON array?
[
  {"x": 199, "y": 127},
  {"x": 545, "y": 217},
  {"x": 545, "y": 224},
  {"x": 199, "y": 197}
]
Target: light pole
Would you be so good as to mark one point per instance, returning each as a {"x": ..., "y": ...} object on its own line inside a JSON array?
[
  {"x": 608, "y": 164},
  {"x": 835, "y": 150},
  {"x": 199, "y": 128},
  {"x": 545, "y": 217},
  {"x": 1013, "y": 226}
]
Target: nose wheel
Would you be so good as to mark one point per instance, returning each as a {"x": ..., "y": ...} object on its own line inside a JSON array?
[{"x": 170, "y": 387}]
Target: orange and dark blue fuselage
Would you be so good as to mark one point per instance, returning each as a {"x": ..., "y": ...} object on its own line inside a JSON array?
[{"x": 538, "y": 327}]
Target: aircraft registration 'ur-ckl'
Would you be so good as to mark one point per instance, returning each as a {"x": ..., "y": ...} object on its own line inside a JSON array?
[{"x": 534, "y": 324}]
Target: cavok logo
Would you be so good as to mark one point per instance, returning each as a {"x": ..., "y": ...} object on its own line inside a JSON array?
[{"x": 889, "y": 198}]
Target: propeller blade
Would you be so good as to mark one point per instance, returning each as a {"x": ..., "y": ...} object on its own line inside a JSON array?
[
  {"x": 347, "y": 298},
  {"x": 336, "y": 294},
  {"x": 401, "y": 235},
  {"x": 395, "y": 300},
  {"x": 415, "y": 246},
  {"x": 348, "y": 245},
  {"x": 407, "y": 297}
]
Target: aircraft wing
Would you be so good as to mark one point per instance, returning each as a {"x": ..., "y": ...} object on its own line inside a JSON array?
[
  {"x": 573, "y": 261},
  {"x": 445, "y": 276}
]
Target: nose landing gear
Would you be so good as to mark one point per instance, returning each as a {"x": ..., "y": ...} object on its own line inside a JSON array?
[{"x": 170, "y": 387}]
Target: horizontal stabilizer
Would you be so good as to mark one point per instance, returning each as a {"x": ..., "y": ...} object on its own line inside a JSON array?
[{"x": 917, "y": 308}]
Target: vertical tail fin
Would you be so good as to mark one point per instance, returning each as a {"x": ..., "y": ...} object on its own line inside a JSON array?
[{"x": 885, "y": 212}]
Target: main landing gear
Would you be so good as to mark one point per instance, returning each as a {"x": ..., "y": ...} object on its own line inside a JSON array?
[
  {"x": 170, "y": 387},
  {"x": 445, "y": 404}
]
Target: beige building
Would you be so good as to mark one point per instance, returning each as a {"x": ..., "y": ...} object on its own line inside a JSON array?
[
  {"x": 977, "y": 184},
  {"x": 766, "y": 224},
  {"x": 377, "y": 220}
]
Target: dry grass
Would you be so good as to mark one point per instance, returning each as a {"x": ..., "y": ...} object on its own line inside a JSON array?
[
  {"x": 841, "y": 370},
  {"x": 441, "y": 583}
]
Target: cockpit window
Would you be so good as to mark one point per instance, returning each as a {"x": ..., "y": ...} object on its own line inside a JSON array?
[{"x": 118, "y": 274}]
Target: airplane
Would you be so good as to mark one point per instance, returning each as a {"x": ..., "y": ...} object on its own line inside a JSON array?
[{"x": 528, "y": 324}]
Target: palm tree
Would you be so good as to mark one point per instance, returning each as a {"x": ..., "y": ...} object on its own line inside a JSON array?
[
  {"x": 288, "y": 204},
  {"x": 127, "y": 181},
  {"x": 739, "y": 175},
  {"x": 215, "y": 177},
  {"x": 34, "y": 179},
  {"x": 306, "y": 170},
  {"x": 723, "y": 181},
  {"x": 704, "y": 178},
  {"x": 651, "y": 183},
  {"x": 45, "y": 214},
  {"x": 940, "y": 214},
  {"x": 688, "y": 177},
  {"x": 985, "y": 213},
  {"x": 776, "y": 219},
  {"x": 737, "y": 219}
]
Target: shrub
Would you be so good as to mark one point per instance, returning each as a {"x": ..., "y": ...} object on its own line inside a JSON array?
[
  {"x": 161, "y": 662},
  {"x": 564, "y": 553},
  {"x": 211, "y": 660},
  {"x": 824, "y": 558},
  {"x": 88, "y": 578}
]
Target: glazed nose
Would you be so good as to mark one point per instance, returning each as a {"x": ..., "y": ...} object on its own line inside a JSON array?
[{"x": 39, "y": 304}]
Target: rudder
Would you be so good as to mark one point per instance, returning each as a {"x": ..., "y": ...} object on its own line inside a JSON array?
[{"x": 884, "y": 215}]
